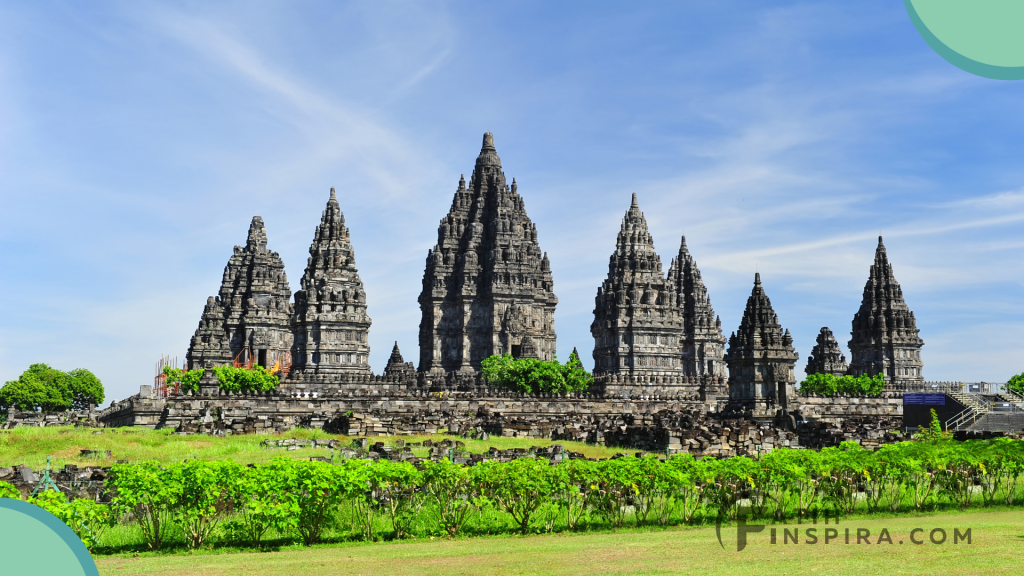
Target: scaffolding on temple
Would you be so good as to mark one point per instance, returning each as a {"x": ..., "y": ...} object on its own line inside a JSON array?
[{"x": 160, "y": 386}]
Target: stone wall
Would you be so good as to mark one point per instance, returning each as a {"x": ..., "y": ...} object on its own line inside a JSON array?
[
  {"x": 815, "y": 407},
  {"x": 17, "y": 418}
]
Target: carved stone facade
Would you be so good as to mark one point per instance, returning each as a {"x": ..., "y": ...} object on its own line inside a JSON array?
[
  {"x": 331, "y": 326},
  {"x": 487, "y": 287},
  {"x": 826, "y": 357},
  {"x": 637, "y": 326},
  {"x": 250, "y": 319},
  {"x": 761, "y": 358},
  {"x": 703, "y": 346},
  {"x": 885, "y": 335}
]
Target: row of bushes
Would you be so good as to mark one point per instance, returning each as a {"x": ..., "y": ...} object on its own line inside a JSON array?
[
  {"x": 529, "y": 375},
  {"x": 832, "y": 385},
  {"x": 396, "y": 499},
  {"x": 256, "y": 379}
]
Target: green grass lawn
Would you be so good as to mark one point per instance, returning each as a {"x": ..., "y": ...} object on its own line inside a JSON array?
[
  {"x": 31, "y": 446},
  {"x": 997, "y": 541}
]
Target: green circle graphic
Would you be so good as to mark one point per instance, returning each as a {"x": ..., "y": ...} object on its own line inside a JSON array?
[
  {"x": 33, "y": 541},
  {"x": 982, "y": 37}
]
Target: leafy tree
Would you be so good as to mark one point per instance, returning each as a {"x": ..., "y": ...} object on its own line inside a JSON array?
[
  {"x": 28, "y": 393},
  {"x": 448, "y": 486},
  {"x": 203, "y": 492},
  {"x": 262, "y": 500},
  {"x": 318, "y": 488},
  {"x": 569, "y": 481},
  {"x": 50, "y": 390},
  {"x": 400, "y": 485},
  {"x": 528, "y": 375},
  {"x": 577, "y": 378},
  {"x": 85, "y": 388},
  {"x": 146, "y": 492},
  {"x": 519, "y": 487},
  {"x": 1016, "y": 383}
]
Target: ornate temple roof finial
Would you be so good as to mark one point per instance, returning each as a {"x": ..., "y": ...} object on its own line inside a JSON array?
[
  {"x": 257, "y": 239},
  {"x": 634, "y": 204},
  {"x": 757, "y": 278},
  {"x": 488, "y": 141},
  {"x": 333, "y": 195}
]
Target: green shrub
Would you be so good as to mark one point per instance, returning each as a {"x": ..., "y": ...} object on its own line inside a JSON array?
[
  {"x": 147, "y": 493},
  {"x": 229, "y": 378},
  {"x": 187, "y": 380},
  {"x": 832, "y": 385},
  {"x": 528, "y": 375},
  {"x": 85, "y": 517},
  {"x": 9, "y": 491}
]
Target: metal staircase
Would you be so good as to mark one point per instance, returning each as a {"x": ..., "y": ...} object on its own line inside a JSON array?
[
  {"x": 1013, "y": 398},
  {"x": 971, "y": 413}
]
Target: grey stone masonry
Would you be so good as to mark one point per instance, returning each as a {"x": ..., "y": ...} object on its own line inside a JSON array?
[
  {"x": 397, "y": 366},
  {"x": 331, "y": 325},
  {"x": 885, "y": 335},
  {"x": 825, "y": 357},
  {"x": 761, "y": 358},
  {"x": 637, "y": 326},
  {"x": 703, "y": 352},
  {"x": 250, "y": 320},
  {"x": 487, "y": 287}
]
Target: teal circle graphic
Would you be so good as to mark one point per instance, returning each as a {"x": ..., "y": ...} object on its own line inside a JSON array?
[
  {"x": 35, "y": 542},
  {"x": 982, "y": 37}
]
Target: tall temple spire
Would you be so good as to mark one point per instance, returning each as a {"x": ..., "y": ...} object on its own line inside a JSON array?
[
  {"x": 761, "y": 357},
  {"x": 885, "y": 336},
  {"x": 703, "y": 346},
  {"x": 249, "y": 319},
  {"x": 331, "y": 325},
  {"x": 636, "y": 325},
  {"x": 487, "y": 287}
]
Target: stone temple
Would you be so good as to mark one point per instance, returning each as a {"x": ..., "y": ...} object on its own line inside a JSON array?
[
  {"x": 703, "y": 346},
  {"x": 761, "y": 358},
  {"x": 826, "y": 357},
  {"x": 487, "y": 289},
  {"x": 637, "y": 327},
  {"x": 331, "y": 326},
  {"x": 487, "y": 286},
  {"x": 885, "y": 335},
  {"x": 250, "y": 319}
]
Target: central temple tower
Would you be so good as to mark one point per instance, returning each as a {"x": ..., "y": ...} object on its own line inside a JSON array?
[{"x": 487, "y": 287}]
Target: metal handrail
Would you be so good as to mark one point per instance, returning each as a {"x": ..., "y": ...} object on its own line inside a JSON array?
[{"x": 955, "y": 422}]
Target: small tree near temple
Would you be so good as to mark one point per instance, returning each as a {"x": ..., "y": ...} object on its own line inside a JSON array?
[
  {"x": 50, "y": 390},
  {"x": 529, "y": 376},
  {"x": 1016, "y": 383}
]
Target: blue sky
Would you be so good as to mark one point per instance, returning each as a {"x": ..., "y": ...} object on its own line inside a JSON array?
[{"x": 137, "y": 140}]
